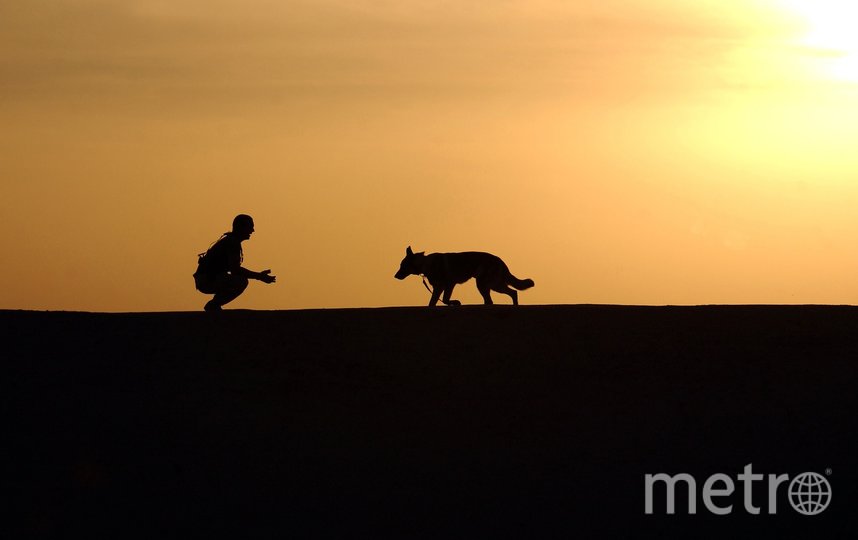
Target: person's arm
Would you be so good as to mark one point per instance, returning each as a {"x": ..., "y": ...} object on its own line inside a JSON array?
[
  {"x": 265, "y": 276},
  {"x": 236, "y": 269}
]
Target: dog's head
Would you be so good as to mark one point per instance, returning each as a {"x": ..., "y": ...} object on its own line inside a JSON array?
[{"x": 411, "y": 264}]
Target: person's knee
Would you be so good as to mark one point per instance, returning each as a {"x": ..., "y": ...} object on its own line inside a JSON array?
[{"x": 240, "y": 283}]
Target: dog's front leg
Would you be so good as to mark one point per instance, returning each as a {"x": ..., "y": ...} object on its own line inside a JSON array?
[
  {"x": 436, "y": 293},
  {"x": 446, "y": 298}
]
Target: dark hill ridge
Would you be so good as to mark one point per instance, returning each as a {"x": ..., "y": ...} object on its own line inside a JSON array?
[{"x": 536, "y": 421}]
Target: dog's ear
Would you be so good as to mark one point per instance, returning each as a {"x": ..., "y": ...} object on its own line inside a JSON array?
[{"x": 408, "y": 251}]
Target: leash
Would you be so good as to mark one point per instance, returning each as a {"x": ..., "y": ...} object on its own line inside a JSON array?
[{"x": 426, "y": 284}]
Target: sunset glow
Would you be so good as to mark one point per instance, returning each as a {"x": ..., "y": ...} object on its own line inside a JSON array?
[
  {"x": 626, "y": 151},
  {"x": 829, "y": 31}
]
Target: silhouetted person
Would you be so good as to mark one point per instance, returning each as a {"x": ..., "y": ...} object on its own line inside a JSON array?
[{"x": 220, "y": 272}]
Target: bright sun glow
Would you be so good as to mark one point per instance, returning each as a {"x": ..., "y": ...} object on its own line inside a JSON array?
[{"x": 830, "y": 31}]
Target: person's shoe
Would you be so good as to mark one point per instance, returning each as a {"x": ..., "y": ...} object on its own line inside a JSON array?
[{"x": 211, "y": 306}]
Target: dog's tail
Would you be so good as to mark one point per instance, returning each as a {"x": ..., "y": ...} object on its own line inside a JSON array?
[{"x": 520, "y": 284}]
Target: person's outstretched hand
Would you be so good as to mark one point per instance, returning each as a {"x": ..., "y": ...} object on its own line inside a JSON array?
[{"x": 266, "y": 276}]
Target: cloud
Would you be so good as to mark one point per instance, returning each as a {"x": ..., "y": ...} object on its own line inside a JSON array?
[{"x": 263, "y": 47}]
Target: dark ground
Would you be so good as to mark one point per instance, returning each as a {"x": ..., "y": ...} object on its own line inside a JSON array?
[{"x": 476, "y": 422}]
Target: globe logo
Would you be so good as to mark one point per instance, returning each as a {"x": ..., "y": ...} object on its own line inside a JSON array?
[{"x": 809, "y": 493}]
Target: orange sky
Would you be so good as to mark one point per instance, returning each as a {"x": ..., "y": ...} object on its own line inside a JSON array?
[{"x": 634, "y": 152}]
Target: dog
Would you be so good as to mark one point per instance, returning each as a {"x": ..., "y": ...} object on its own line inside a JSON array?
[{"x": 445, "y": 270}]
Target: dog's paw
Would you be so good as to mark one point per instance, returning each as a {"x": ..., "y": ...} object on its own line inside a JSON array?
[{"x": 454, "y": 303}]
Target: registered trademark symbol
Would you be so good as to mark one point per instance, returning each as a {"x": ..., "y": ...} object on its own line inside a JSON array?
[{"x": 828, "y": 471}]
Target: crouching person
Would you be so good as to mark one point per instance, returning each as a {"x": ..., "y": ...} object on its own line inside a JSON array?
[{"x": 219, "y": 271}]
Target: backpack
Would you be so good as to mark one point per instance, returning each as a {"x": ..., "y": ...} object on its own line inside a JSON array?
[{"x": 205, "y": 260}]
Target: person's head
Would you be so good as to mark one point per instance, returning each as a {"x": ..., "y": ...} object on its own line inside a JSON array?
[{"x": 242, "y": 226}]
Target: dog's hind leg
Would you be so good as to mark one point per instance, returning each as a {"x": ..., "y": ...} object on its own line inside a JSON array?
[
  {"x": 485, "y": 291},
  {"x": 512, "y": 293}
]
